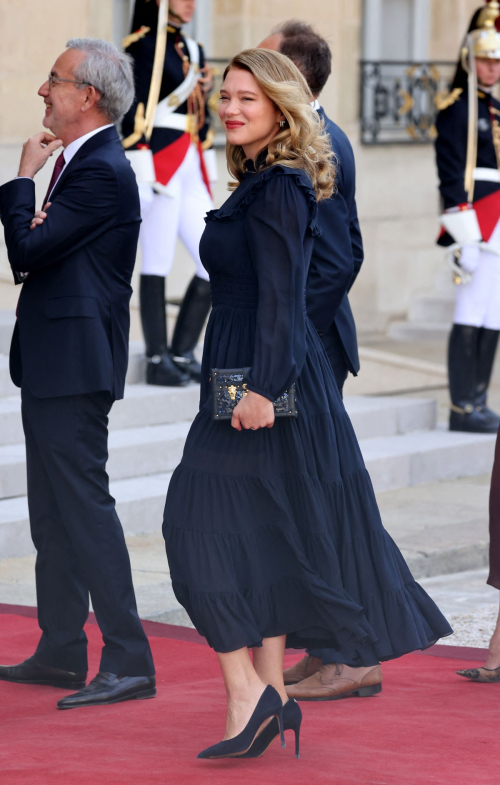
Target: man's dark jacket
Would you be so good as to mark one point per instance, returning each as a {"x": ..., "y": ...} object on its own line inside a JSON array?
[
  {"x": 338, "y": 253},
  {"x": 72, "y": 332}
]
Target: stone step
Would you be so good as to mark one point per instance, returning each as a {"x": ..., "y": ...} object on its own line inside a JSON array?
[
  {"x": 419, "y": 331},
  {"x": 432, "y": 308},
  {"x": 382, "y": 416},
  {"x": 139, "y": 502},
  {"x": 6, "y": 386},
  {"x": 393, "y": 462},
  {"x": 133, "y": 452},
  {"x": 136, "y": 371},
  {"x": 7, "y": 321},
  {"x": 426, "y": 456},
  {"x": 145, "y": 405},
  {"x": 152, "y": 448}
]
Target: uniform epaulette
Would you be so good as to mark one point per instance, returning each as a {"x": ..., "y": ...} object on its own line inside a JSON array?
[
  {"x": 133, "y": 37},
  {"x": 445, "y": 98}
]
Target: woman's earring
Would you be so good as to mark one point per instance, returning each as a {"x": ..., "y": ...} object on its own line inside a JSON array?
[{"x": 282, "y": 123}]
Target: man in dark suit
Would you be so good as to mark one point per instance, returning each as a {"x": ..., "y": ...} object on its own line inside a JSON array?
[
  {"x": 336, "y": 260},
  {"x": 69, "y": 355},
  {"x": 338, "y": 253}
]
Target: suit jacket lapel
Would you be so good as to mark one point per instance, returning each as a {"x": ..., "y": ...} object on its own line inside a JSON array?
[{"x": 108, "y": 135}]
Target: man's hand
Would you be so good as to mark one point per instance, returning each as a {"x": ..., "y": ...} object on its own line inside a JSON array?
[
  {"x": 253, "y": 412},
  {"x": 35, "y": 153},
  {"x": 40, "y": 216}
]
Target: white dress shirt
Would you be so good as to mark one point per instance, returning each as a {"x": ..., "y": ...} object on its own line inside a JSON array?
[{"x": 71, "y": 150}]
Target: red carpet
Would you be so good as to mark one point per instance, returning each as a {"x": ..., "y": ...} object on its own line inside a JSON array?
[{"x": 428, "y": 727}]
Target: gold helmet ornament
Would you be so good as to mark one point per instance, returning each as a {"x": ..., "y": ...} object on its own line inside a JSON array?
[{"x": 485, "y": 40}]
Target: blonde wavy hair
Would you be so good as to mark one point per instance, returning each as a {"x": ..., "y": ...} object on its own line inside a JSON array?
[{"x": 303, "y": 142}]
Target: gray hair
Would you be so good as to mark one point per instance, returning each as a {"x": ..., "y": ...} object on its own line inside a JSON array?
[{"x": 109, "y": 71}]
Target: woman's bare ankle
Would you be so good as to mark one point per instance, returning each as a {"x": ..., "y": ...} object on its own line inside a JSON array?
[
  {"x": 493, "y": 658},
  {"x": 247, "y": 692}
]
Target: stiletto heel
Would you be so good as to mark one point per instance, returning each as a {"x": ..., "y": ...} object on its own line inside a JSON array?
[
  {"x": 297, "y": 741},
  {"x": 292, "y": 718},
  {"x": 269, "y": 705},
  {"x": 282, "y": 729}
]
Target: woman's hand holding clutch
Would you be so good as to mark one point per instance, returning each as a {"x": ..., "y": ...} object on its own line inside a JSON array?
[{"x": 253, "y": 412}]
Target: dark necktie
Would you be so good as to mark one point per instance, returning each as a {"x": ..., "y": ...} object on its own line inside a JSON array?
[{"x": 58, "y": 167}]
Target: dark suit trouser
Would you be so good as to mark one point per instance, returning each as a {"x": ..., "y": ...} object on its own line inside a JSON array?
[
  {"x": 78, "y": 537},
  {"x": 336, "y": 355}
]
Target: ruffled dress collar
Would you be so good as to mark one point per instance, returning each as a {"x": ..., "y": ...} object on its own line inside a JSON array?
[
  {"x": 252, "y": 167},
  {"x": 253, "y": 180}
]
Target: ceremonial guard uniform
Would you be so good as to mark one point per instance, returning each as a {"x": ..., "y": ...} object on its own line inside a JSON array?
[
  {"x": 468, "y": 162},
  {"x": 176, "y": 196}
]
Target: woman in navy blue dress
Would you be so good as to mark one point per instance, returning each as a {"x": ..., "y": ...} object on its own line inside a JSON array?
[{"x": 272, "y": 530}]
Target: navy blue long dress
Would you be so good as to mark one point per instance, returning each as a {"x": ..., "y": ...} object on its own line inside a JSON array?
[{"x": 277, "y": 531}]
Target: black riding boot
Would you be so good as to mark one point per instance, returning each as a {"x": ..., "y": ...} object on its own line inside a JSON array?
[
  {"x": 487, "y": 346},
  {"x": 192, "y": 315},
  {"x": 161, "y": 369},
  {"x": 462, "y": 372}
]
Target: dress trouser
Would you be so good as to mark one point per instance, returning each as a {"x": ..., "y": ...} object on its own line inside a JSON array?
[
  {"x": 78, "y": 537},
  {"x": 336, "y": 355}
]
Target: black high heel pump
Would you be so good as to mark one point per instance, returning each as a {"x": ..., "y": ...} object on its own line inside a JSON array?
[
  {"x": 269, "y": 705},
  {"x": 292, "y": 718}
]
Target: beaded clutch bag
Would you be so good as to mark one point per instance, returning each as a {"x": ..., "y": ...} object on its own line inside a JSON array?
[{"x": 229, "y": 386}]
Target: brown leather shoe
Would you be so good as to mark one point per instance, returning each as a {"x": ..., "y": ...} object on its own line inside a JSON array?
[
  {"x": 306, "y": 667},
  {"x": 336, "y": 681},
  {"x": 485, "y": 675}
]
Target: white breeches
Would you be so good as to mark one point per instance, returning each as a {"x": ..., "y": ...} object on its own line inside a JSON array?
[
  {"x": 478, "y": 302},
  {"x": 181, "y": 214}
]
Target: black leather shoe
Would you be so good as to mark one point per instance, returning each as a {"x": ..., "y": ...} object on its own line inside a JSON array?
[
  {"x": 32, "y": 672},
  {"x": 162, "y": 370},
  {"x": 107, "y": 688}
]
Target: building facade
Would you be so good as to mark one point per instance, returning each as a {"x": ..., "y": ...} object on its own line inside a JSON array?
[{"x": 397, "y": 184}]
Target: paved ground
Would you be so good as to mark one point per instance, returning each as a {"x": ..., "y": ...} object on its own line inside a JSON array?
[
  {"x": 430, "y": 351},
  {"x": 437, "y": 526}
]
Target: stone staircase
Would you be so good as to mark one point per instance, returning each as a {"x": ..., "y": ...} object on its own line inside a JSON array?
[
  {"x": 430, "y": 315},
  {"x": 399, "y": 437}
]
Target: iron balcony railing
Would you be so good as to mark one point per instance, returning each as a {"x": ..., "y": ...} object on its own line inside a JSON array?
[{"x": 398, "y": 100}]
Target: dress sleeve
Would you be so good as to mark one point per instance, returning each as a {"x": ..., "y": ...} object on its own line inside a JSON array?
[{"x": 276, "y": 225}]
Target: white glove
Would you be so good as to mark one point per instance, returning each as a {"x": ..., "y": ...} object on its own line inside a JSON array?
[
  {"x": 469, "y": 258},
  {"x": 210, "y": 160}
]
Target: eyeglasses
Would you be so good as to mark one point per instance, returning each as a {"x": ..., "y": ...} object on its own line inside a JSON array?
[{"x": 53, "y": 80}]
